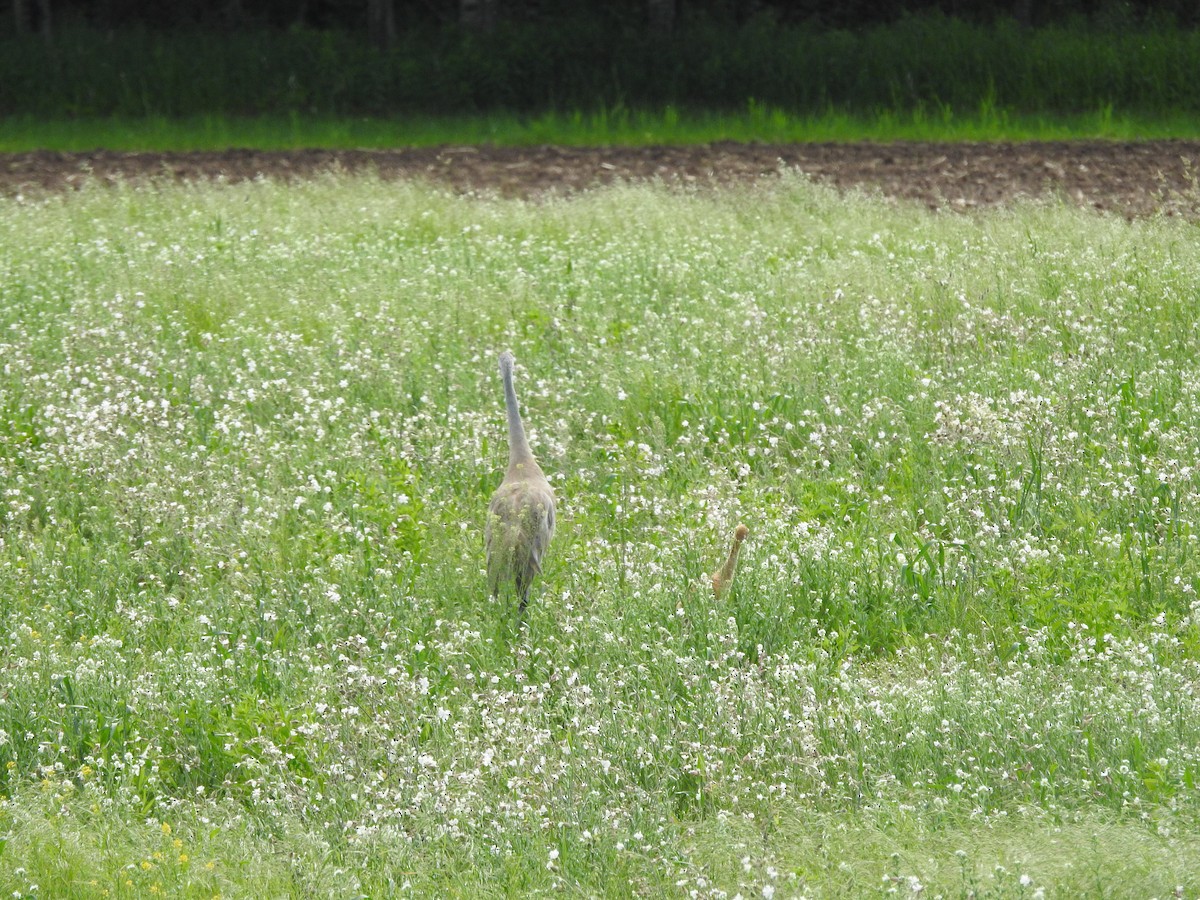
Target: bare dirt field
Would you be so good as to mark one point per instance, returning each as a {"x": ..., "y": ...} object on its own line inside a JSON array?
[{"x": 1129, "y": 179}]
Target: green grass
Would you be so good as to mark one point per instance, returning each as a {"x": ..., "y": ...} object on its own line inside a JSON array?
[
  {"x": 614, "y": 127},
  {"x": 248, "y": 434}
]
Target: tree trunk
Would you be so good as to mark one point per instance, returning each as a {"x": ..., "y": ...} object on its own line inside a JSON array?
[
  {"x": 33, "y": 16},
  {"x": 381, "y": 23},
  {"x": 523, "y": 10},
  {"x": 660, "y": 16},
  {"x": 477, "y": 15},
  {"x": 233, "y": 14},
  {"x": 1024, "y": 13}
]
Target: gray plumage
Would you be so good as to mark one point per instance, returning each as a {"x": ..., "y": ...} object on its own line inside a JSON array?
[{"x": 520, "y": 519}]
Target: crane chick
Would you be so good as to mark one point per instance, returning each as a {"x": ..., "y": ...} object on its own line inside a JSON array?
[
  {"x": 722, "y": 578},
  {"x": 520, "y": 521}
]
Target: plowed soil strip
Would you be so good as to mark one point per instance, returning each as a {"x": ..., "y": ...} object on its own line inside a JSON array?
[{"x": 1130, "y": 179}]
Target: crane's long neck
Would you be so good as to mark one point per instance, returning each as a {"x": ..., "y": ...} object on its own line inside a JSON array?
[
  {"x": 725, "y": 575},
  {"x": 518, "y": 444},
  {"x": 727, "y": 570}
]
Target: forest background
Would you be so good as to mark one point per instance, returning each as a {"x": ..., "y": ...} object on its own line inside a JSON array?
[{"x": 394, "y": 58}]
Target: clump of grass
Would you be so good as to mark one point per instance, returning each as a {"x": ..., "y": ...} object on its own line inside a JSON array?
[{"x": 247, "y": 438}]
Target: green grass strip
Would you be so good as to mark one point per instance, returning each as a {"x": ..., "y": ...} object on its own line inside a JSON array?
[{"x": 605, "y": 127}]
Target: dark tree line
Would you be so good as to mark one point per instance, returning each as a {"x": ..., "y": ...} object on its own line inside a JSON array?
[
  {"x": 380, "y": 20},
  {"x": 390, "y": 57}
]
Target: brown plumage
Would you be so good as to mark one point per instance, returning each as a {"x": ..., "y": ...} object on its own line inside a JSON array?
[
  {"x": 724, "y": 575},
  {"x": 520, "y": 521}
]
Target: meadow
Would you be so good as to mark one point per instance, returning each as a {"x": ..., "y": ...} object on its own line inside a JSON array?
[{"x": 247, "y": 438}]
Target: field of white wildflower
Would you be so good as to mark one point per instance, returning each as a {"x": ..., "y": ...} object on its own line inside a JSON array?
[{"x": 247, "y": 438}]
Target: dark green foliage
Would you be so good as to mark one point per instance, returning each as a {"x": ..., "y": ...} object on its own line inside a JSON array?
[{"x": 929, "y": 63}]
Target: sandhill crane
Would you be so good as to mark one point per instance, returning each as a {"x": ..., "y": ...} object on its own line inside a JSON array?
[
  {"x": 520, "y": 518},
  {"x": 724, "y": 575}
]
